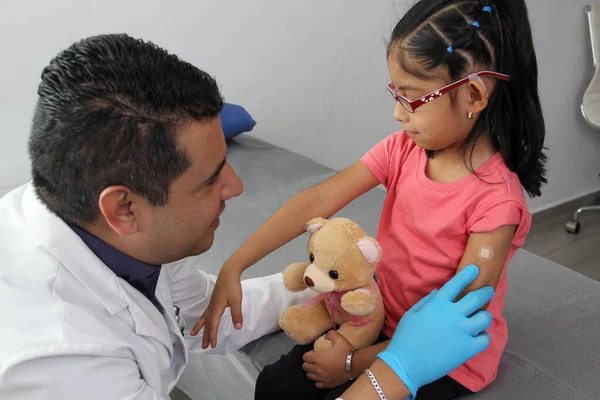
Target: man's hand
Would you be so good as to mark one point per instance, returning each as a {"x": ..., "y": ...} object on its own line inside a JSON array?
[
  {"x": 437, "y": 335},
  {"x": 227, "y": 293},
  {"x": 328, "y": 368}
]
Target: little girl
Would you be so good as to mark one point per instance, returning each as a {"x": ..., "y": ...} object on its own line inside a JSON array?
[{"x": 464, "y": 78}]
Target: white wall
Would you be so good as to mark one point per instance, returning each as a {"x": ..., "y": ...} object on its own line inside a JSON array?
[
  {"x": 565, "y": 64},
  {"x": 312, "y": 73}
]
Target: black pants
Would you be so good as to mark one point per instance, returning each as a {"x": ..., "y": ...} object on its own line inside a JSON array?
[{"x": 285, "y": 379}]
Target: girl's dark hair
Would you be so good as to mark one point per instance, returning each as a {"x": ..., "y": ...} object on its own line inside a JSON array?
[{"x": 503, "y": 43}]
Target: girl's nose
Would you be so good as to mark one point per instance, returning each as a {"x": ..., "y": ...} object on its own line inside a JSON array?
[{"x": 400, "y": 113}]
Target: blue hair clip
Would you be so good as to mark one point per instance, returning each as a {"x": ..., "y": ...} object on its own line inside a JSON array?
[
  {"x": 487, "y": 9},
  {"x": 475, "y": 24},
  {"x": 450, "y": 49}
]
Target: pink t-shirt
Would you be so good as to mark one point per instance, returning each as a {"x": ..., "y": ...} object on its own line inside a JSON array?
[{"x": 424, "y": 229}]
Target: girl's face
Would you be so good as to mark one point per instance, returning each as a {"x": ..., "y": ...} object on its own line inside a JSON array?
[{"x": 439, "y": 125}]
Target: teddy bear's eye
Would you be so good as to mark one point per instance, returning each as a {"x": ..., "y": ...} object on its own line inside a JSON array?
[
  {"x": 333, "y": 274},
  {"x": 312, "y": 258}
]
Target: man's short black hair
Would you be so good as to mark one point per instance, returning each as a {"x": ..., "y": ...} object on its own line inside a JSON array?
[{"x": 108, "y": 112}]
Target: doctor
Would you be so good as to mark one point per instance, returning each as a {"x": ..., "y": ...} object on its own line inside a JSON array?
[{"x": 99, "y": 285}]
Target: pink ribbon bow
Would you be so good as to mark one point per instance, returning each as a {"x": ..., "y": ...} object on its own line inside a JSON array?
[{"x": 332, "y": 299}]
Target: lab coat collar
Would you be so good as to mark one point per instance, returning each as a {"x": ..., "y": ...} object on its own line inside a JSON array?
[{"x": 68, "y": 248}]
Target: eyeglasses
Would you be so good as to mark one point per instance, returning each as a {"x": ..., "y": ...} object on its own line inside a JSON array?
[{"x": 412, "y": 105}]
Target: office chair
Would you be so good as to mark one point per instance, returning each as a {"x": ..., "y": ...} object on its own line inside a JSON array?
[{"x": 590, "y": 105}]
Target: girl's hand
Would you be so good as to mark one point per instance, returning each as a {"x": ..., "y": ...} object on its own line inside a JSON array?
[
  {"x": 328, "y": 368},
  {"x": 227, "y": 293}
]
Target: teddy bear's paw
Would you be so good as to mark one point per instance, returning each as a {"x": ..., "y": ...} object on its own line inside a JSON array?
[
  {"x": 293, "y": 277},
  {"x": 302, "y": 325},
  {"x": 359, "y": 302},
  {"x": 323, "y": 344}
]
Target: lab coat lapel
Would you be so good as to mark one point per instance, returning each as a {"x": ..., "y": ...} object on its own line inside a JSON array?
[
  {"x": 148, "y": 319},
  {"x": 112, "y": 292}
]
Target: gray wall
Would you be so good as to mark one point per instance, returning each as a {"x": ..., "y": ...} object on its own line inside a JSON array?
[{"x": 311, "y": 73}]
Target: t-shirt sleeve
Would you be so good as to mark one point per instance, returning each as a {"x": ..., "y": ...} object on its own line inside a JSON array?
[
  {"x": 385, "y": 159},
  {"x": 500, "y": 212}
]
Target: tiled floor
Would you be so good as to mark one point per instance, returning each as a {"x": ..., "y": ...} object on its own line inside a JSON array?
[
  {"x": 549, "y": 239},
  {"x": 177, "y": 394}
]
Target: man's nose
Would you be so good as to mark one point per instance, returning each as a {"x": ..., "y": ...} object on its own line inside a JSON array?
[{"x": 233, "y": 186}]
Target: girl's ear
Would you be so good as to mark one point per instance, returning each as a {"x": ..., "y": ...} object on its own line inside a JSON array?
[{"x": 478, "y": 97}]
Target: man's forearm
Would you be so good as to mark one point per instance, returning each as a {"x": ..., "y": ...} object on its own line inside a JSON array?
[
  {"x": 392, "y": 386},
  {"x": 364, "y": 358}
]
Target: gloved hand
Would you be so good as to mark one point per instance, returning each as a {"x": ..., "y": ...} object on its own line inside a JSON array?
[{"x": 437, "y": 335}]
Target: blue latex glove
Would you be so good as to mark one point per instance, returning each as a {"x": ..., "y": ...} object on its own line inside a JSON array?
[{"x": 437, "y": 335}]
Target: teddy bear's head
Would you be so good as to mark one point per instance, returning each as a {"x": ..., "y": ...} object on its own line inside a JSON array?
[{"x": 341, "y": 255}]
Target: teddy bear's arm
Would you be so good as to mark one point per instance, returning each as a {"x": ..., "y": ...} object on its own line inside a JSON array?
[
  {"x": 359, "y": 302},
  {"x": 293, "y": 277}
]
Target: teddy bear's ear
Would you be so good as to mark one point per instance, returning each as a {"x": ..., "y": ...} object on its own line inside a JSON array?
[
  {"x": 370, "y": 249},
  {"x": 315, "y": 224}
]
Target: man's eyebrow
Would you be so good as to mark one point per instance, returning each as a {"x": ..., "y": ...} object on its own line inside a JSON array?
[{"x": 216, "y": 173}]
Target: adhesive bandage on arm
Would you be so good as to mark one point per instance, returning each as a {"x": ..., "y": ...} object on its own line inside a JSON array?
[{"x": 485, "y": 253}]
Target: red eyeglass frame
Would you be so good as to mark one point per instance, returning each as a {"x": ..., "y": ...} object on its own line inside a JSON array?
[{"x": 412, "y": 105}]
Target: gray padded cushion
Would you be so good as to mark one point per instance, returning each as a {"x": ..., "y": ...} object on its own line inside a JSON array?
[{"x": 553, "y": 313}]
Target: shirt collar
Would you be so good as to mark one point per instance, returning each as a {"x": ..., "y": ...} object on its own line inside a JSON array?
[{"x": 124, "y": 266}]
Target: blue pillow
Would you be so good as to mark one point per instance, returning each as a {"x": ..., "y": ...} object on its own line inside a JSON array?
[{"x": 235, "y": 120}]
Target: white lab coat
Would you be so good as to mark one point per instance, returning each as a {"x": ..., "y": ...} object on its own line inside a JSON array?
[{"x": 71, "y": 329}]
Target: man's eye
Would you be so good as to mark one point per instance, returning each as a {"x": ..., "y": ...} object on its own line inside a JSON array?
[{"x": 213, "y": 180}]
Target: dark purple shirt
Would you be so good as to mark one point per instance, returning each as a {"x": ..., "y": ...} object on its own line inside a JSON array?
[{"x": 138, "y": 274}]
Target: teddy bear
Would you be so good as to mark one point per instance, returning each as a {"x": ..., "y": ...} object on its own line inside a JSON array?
[{"x": 340, "y": 268}]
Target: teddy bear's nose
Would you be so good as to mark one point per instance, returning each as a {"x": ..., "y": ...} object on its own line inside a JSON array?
[{"x": 309, "y": 282}]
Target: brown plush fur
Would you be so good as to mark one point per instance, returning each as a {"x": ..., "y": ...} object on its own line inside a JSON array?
[{"x": 333, "y": 244}]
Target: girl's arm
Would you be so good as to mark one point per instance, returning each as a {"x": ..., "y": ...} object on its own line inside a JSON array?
[
  {"x": 328, "y": 368},
  {"x": 389, "y": 382},
  {"x": 487, "y": 250},
  {"x": 363, "y": 358},
  {"x": 322, "y": 200}
]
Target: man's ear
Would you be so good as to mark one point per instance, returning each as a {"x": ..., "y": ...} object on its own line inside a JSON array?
[
  {"x": 118, "y": 205},
  {"x": 478, "y": 97}
]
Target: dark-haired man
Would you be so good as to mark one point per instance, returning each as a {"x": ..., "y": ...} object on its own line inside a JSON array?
[{"x": 98, "y": 281}]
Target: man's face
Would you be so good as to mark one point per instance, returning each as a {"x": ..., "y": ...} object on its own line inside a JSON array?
[{"x": 186, "y": 225}]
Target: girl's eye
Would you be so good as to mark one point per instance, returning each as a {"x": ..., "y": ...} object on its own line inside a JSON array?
[{"x": 311, "y": 258}]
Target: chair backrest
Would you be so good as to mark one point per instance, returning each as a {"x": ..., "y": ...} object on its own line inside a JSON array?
[{"x": 590, "y": 105}]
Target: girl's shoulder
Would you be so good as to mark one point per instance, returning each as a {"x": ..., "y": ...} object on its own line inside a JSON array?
[
  {"x": 499, "y": 200},
  {"x": 387, "y": 157},
  {"x": 397, "y": 146},
  {"x": 507, "y": 183}
]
